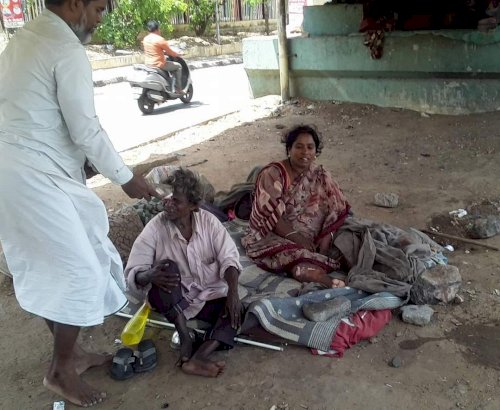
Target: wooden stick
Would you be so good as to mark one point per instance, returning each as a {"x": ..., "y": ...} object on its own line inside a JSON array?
[
  {"x": 460, "y": 239},
  {"x": 197, "y": 163}
]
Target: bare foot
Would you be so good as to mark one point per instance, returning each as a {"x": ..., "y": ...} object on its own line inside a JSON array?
[
  {"x": 72, "y": 388},
  {"x": 307, "y": 272},
  {"x": 221, "y": 365},
  {"x": 186, "y": 347},
  {"x": 203, "y": 368},
  {"x": 85, "y": 360},
  {"x": 337, "y": 283}
]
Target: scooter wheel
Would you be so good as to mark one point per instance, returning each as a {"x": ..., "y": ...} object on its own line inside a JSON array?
[
  {"x": 145, "y": 104},
  {"x": 186, "y": 98}
]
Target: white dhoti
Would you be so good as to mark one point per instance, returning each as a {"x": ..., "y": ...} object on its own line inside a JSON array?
[{"x": 53, "y": 230}]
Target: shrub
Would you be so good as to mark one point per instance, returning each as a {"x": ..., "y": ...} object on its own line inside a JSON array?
[
  {"x": 122, "y": 27},
  {"x": 201, "y": 15}
]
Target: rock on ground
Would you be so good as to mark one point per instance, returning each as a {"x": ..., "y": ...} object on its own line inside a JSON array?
[
  {"x": 437, "y": 285},
  {"x": 386, "y": 200},
  {"x": 483, "y": 228},
  {"x": 396, "y": 362},
  {"x": 417, "y": 315},
  {"x": 322, "y": 311}
]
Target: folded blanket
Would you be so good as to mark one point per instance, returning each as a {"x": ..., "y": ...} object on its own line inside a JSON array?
[{"x": 283, "y": 316}]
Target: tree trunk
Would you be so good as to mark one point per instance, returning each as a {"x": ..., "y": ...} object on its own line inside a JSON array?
[
  {"x": 1, "y": 20},
  {"x": 238, "y": 11},
  {"x": 265, "y": 12},
  {"x": 283, "y": 52}
]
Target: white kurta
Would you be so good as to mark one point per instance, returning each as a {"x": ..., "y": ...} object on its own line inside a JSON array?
[{"x": 53, "y": 229}]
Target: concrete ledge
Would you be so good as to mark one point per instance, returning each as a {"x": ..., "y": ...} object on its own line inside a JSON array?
[
  {"x": 429, "y": 52},
  {"x": 119, "y": 61},
  {"x": 194, "y": 52},
  {"x": 332, "y": 19},
  {"x": 215, "y": 50},
  {"x": 431, "y": 95},
  {"x": 427, "y": 71}
]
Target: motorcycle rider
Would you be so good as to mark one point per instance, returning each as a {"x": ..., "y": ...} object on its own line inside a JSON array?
[{"x": 155, "y": 48}]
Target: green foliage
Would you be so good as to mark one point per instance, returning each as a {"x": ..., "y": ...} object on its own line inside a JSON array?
[
  {"x": 254, "y": 2},
  {"x": 122, "y": 27},
  {"x": 201, "y": 15}
]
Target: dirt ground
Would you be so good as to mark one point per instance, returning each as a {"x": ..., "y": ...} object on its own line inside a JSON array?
[{"x": 436, "y": 164}]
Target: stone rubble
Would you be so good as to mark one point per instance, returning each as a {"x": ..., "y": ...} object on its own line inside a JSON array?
[
  {"x": 419, "y": 315},
  {"x": 321, "y": 312},
  {"x": 386, "y": 200},
  {"x": 437, "y": 285}
]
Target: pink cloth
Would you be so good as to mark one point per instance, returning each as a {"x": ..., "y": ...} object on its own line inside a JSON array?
[
  {"x": 202, "y": 261},
  {"x": 360, "y": 326}
]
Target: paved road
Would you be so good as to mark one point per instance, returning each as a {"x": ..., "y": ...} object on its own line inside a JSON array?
[{"x": 217, "y": 91}]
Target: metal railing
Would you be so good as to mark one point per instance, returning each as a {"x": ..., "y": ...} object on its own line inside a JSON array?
[
  {"x": 229, "y": 11},
  {"x": 32, "y": 8}
]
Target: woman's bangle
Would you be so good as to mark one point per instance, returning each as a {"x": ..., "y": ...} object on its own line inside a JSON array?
[{"x": 290, "y": 233}]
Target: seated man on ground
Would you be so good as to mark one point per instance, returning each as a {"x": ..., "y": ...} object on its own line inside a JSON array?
[
  {"x": 188, "y": 266},
  {"x": 155, "y": 48},
  {"x": 296, "y": 208}
]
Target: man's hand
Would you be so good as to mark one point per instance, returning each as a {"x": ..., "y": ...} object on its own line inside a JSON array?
[
  {"x": 137, "y": 187},
  {"x": 163, "y": 277},
  {"x": 234, "y": 309}
]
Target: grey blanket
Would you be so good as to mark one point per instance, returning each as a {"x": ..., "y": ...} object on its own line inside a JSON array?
[
  {"x": 276, "y": 302},
  {"x": 382, "y": 257},
  {"x": 283, "y": 316}
]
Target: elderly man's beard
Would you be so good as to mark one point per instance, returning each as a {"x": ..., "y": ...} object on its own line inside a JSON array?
[{"x": 80, "y": 29}]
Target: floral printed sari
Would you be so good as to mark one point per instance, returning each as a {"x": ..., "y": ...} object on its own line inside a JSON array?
[{"x": 312, "y": 204}]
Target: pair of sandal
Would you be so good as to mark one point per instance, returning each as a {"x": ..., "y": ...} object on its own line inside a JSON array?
[{"x": 126, "y": 362}]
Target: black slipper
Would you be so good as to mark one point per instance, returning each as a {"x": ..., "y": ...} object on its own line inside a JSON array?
[
  {"x": 145, "y": 356},
  {"x": 121, "y": 367}
]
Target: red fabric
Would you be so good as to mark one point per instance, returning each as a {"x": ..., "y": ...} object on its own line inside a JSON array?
[{"x": 365, "y": 324}]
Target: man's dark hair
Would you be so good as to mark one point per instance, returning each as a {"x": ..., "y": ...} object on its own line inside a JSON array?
[
  {"x": 187, "y": 182},
  {"x": 152, "y": 25},
  {"x": 290, "y": 137}
]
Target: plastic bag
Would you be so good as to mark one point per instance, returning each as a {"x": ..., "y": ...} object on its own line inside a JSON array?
[{"x": 134, "y": 329}]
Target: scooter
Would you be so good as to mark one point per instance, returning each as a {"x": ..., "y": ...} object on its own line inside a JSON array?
[{"x": 154, "y": 86}]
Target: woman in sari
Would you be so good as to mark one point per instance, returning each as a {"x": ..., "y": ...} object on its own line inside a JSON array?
[{"x": 296, "y": 209}]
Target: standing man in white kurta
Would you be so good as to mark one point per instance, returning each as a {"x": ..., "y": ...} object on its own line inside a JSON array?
[{"x": 54, "y": 229}]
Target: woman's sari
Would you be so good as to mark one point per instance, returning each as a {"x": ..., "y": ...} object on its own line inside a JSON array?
[{"x": 312, "y": 204}]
